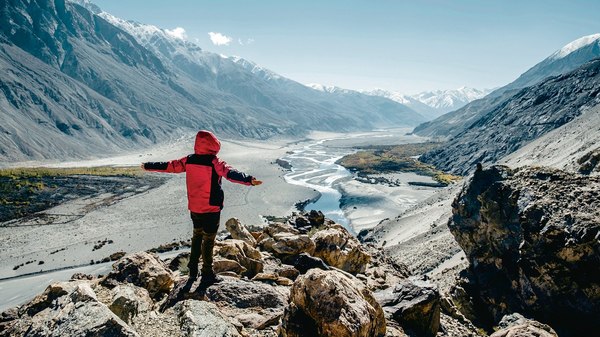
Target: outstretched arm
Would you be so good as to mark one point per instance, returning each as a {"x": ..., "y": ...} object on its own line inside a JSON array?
[
  {"x": 173, "y": 166},
  {"x": 233, "y": 175}
]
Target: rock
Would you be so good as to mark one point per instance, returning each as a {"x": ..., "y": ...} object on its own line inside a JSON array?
[
  {"x": 516, "y": 325},
  {"x": 143, "y": 270},
  {"x": 128, "y": 301},
  {"x": 66, "y": 309},
  {"x": 240, "y": 251},
  {"x": 180, "y": 261},
  {"x": 316, "y": 218},
  {"x": 221, "y": 265},
  {"x": 413, "y": 304},
  {"x": 383, "y": 272},
  {"x": 259, "y": 321},
  {"x": 239, "y": 232},
  {"x": 287, "y": 271},
  {"x": 272, "y": 278},
  {"x": 200, "y": 318},
  {"x": 265, "y": 242},
  {"x": 338, "y": 248},
  {"x": 305, "y": 262},
  {"x": 329, "y": 303},
  {"x": 82, "y": 276},
  {"x": 279, "y": 227},
  {"x": 531, "y": 238},
  {"x": 286, "y": 244},
  {"x": 245, "y": 294}
]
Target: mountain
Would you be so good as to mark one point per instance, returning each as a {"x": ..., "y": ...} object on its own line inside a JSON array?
[
  {"x": 78, "y": 82},
  {"x": 564, "y": 60},
  {"x": 433, "y": 104},
  {"x": 520, "y": 119}
]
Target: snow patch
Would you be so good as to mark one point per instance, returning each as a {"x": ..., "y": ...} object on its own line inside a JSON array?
[{"x": 575, "y": 45}]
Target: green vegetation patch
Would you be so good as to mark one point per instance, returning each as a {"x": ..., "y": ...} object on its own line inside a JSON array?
[
  {"x": 395, "y": 158},
  {"x": 34, "y": 172},
  {"x": 24, "y": 191}
]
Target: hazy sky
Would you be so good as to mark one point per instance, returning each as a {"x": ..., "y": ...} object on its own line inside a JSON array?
[{"x": 405, "y": 46}]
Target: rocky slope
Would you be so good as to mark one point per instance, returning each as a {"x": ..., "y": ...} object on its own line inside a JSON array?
[
  {"x": 77, "y": 85},
  {"x": 527, "y": 115},
  {"x": 531, "y": 238},
  {"x": 302, "y": 276},
  {"x": 564, "y": 60}
]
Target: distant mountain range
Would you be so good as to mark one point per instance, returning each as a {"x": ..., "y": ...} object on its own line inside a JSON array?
[
  {"x": 78, "y": 82},
  {"x": 433, "y": 104},
  {"x": 557, "y": 91},
  {"x": 566, "y": 59}
]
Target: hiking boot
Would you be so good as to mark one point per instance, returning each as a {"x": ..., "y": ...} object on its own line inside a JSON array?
[{"x": 210, "y": 279}]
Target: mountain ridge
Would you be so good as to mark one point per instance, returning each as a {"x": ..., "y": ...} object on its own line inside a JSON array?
[
  {"x": 145, "y": 94},
  {"x": 451, "y": 124}
]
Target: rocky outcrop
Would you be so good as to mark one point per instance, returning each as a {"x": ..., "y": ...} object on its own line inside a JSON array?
[
  {"x": 143, "y": 270},
  {"x": 198, "y": 318},
  {"x": 241, "y": 252},
  {"x": 66, "y": 309},
  {"x": 413, "y": 304},
  {"x": 128, "y": 301},
  {"x": 292, "y": 295},
  {"x": 239, "y": 232},
  {"x": 330, "y": 303},
  {"x": 338, "y": 248},
  {"x": 516, "y": 325},
  {"x": 531, "y": 237}
]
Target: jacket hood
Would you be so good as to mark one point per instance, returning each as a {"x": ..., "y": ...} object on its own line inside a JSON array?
[{"x": 206, "y": 143}]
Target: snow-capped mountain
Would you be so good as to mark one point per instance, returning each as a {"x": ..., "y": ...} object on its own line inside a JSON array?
[
  {"x": 449, "y": 100},
  {"x": 566, "y": 59},
  {"x": 79, "y": 82},
  {"x": 433, "y": 104}
]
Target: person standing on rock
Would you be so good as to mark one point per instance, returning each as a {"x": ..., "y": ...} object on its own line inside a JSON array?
[{"x": 204, "y": 171}]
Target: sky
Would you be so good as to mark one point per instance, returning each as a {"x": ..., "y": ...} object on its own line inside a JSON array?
[{"x": 397, "y": 45}]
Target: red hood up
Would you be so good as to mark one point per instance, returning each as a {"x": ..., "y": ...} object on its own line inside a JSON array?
[{"x": 206, "y": 143}]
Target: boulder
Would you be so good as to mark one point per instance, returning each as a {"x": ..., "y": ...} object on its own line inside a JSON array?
[
  {"x": 280, "y": 227},
  {"x": 243, "y": 253},
  {"x": 239, "y": 232},
  {"x": 516, "y": 325},
  {"x": 66, "y": 309},
  {"x": 531, "y": 238},
  {"x": 200, "y": 318},
  {"x": 289, "y": 244},
  {"x": 304, "y": 262},
  {"x": 330, "y": 303},
  {"x": 221, "y": 265},
  {"x": 180, "y": 261},
  {"x": 272, "y": 278},
  {"x": 143, "y": 270},
  {"x": 246, "y": 294},
  {"x": 128, "y": 301},
  {"x": 338, "y": 248},
  {"x": 414, "y": 304},
  {"x": 260, "y": 321}
]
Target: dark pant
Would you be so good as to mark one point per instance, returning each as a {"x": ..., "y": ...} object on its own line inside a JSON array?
[{"x": 203, "y": 241}]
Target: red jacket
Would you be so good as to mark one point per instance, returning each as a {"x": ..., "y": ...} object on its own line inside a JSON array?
[{"x": 204, "y": 171}]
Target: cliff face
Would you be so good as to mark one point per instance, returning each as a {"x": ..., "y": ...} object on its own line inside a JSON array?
[{"x": 531, "y": 237}]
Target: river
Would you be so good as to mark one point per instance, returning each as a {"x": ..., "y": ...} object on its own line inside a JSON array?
[{"x": 314, "y": 166}]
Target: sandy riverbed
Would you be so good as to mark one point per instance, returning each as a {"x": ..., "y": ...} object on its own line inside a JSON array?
[{"x": 147, "y": 219}]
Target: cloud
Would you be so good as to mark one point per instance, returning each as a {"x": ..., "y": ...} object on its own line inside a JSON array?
[
  {"x": 178, "y": 32},
  {"x": 247, "y": 42},
  {"x": 219, "y": 39}
]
